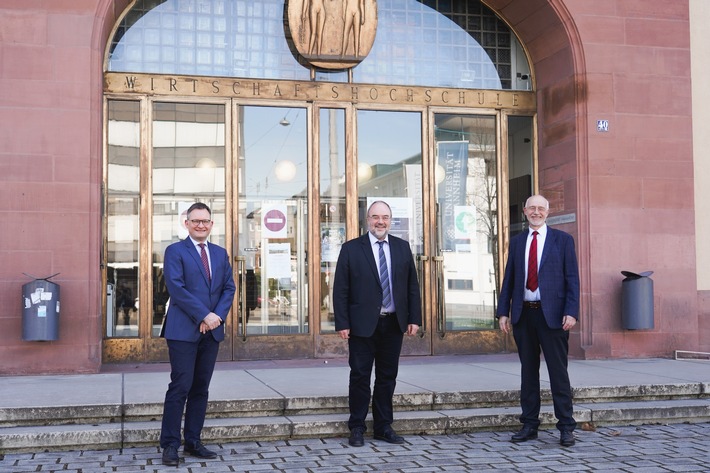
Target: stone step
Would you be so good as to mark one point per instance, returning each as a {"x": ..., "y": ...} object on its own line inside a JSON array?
[
  {"x": 315, "y": 405},
  {"x": 113, "y": 435}
]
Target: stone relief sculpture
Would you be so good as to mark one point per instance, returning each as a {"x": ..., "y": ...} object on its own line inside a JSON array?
[{"x": 333, "y": 34}]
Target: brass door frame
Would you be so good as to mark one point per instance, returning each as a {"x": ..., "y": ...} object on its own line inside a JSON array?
[{"x": 426, "y": 101}]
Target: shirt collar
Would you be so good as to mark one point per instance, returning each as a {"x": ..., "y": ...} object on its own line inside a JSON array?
[
  {"x": 542, "y": 231},
  {"x": 373, "y": 238}
]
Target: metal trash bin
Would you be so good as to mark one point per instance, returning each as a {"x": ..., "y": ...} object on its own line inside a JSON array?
[
  {"x": 40, "y": 310},
  {"x": 637, "y": 300}
]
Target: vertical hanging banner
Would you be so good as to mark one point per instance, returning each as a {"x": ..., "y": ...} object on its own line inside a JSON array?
[
  {"x": 453, "y": 162},
  {"x": 274, "y": 221}
]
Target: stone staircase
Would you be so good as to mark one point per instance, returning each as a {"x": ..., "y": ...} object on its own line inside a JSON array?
[{"x": 110, "y": 425}]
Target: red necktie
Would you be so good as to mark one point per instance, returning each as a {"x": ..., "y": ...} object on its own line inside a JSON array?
[
  {"x": 205, "y": 263},
  {"x": 532, "y": 264}
]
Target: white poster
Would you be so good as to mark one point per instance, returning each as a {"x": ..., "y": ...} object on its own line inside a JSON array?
[
  {"x": 402, "y": 217},
  {"x": 278, "y": 260}
]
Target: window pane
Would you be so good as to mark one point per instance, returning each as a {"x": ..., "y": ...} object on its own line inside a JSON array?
[
  {"x": 520, "y": 170},
  {"x": 467, "y": 219},
  {"x": 332, "y": 206},
  {"x": 188, "y": 167},
  {"x": 123, "y": 225}
]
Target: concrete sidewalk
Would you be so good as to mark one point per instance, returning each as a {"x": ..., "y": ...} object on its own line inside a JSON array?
[
  {"x": 325, "y": 379},
  {"x": 290, "y": 399}
]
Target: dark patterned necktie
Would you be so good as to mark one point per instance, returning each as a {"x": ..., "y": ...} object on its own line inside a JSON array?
[
  {"x": 384, "y": 277},
  {"x": 205, "y": 263},
  {"x": 532, "y": 264}
]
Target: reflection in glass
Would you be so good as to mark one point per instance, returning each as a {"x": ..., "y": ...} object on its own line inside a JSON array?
[
  {"x": 272, "y": 218},
  {"x": 123, "y": 228},
  {"x": 466, "y": 216},
  {"x": 332, "y": 206},
  {"x": 520, "y": 169},
  {"x": 390, "y": 169},
  {"x": 188, "y": 167},
  {"x": 415, "y": 44}
]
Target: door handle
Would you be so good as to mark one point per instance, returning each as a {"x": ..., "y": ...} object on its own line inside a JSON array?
[
  {"x": 440, "y": 296},
  {"x": 242, "y": 301},
  {"x": 421, "y": 259}
]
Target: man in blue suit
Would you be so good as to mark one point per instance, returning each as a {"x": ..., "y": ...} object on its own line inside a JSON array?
[
  {"x": 199, "y": 280},
  {"x": 376, "y": 300},
  {"x": 540, "y": 297}
]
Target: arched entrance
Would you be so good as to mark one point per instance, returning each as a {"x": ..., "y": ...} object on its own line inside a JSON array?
[{"x": 316, "y": 177}]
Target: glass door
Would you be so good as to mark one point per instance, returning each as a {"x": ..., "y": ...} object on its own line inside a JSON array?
[
  {"x": 465, "y": 269},
  {"x": 271, "y": 239}
]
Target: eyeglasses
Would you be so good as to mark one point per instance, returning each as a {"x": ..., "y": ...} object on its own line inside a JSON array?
[
  {"x": 540, "y": 209},
  {"x": 384, "y": 218},
  {"x": 198, "y": 222}
]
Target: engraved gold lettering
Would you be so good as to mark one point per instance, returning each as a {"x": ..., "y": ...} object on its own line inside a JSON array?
[
  {"x": 152, "y": 83},
  {"x": 444, "y": 96},
  {"x": 194, "y": 85},
  {"x": 515, "y": 100},
  {"x": 215, "y": 86},
  {"x": 410, "y": 95},
  {"x": 374, "y": 94},
  {"x": 462, "y": 97},
  {"x": 256, "y": 89},
  {"x": 354, "y": 93},
  {"x": 335, "y": 92},
  {"x": 173, "y": 85},
  {"x": 481, "y": 98},
  {"x": 296, "y": 90},
  {"x": 393, "y": 95},
  {"x": 277, "y": 91},
  {"x": 498, "y": 99},
  {"x": 235, "y": 87},
  {"x": 427, "y": 95}
]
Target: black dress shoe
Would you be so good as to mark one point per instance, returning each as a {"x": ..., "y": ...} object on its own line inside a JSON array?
[
  {"x": 356, "y": 439},
  {"x": 390, "y": 436},
  {"x": 170, "y": 456},
  {"x": 200, "y": 451},
  {"x": 567, "y": 438},
  {"x": 524, "y": 434}
]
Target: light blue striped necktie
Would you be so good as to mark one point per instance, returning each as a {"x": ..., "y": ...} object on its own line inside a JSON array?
[{"x": 384, "y": 277}]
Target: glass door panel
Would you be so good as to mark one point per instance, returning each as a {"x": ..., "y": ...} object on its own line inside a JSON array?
[
  {"x": 332, "y": 230},
  {"x": 123, "y": 222},
  {"x": 272, "y": 236},
  {"x": 188, "y": 167},
  {"x": 466, "y": 241},
  {"x": 389, "y": 168}
]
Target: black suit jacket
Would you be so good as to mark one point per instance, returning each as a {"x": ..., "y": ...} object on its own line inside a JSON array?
[{"x": 357, "y": 294}]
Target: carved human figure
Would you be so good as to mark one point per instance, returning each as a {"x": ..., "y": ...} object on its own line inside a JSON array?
[
  {"x": 315, "y": 13},
  {"x": 353, "y": 19}
]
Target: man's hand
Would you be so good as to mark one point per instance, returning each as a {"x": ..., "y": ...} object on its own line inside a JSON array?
[
  {"x": 504, "y": 323},
  {"x": 344, "y": 334},
  {"x": 412, "y": 329},
  {"x": 568, "y": 322},
  {"x": 211, "y": 321}
]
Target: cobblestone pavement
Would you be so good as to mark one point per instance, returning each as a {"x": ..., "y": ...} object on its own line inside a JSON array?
[{"x": 647, "y": 449}]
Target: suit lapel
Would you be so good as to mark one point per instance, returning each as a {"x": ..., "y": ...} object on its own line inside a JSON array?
[
  {"x": 369, "y": 255},
  {"x": 550, "y": 242}
]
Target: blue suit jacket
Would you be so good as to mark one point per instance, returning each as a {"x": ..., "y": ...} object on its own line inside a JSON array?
[
  {"x": 192, "y": 297},
  {"x": 558, "y": 279},
  {"x": 357, "y": 294}
]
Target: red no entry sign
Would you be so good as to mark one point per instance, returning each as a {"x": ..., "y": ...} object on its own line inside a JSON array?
[{"x": 275, "y": 220}]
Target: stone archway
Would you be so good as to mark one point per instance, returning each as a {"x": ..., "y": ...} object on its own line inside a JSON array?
[{"x": 549, "y": 34}]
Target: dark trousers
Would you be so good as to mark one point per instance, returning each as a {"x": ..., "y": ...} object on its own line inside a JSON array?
[
  {"x": 383, "y": 349},
  {"x": 531, "y": 334},
  {"x": 192, "y": 365}
]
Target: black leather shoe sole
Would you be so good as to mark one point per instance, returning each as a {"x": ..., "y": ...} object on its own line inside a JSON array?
[
  {"x": 567, "y": 439},
  {"x": 356, "y": 439},
  {"x": 524, "y": 436},
  {"x": 390, "y": 438},
  {"x": 204, "y": 455}
]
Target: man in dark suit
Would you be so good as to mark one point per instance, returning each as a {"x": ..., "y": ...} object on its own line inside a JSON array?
[
  {"x": 540, "y": 297},
  {"x": 376, "y": 300},
  {"x": 199, "y": 280}
]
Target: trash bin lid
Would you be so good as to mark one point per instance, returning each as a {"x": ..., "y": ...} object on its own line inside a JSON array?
[{"x": 631, "y": 275}]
